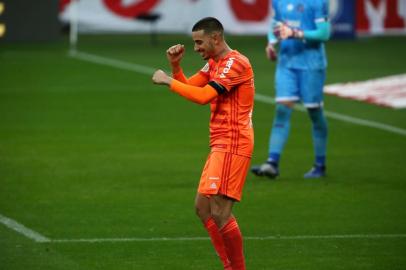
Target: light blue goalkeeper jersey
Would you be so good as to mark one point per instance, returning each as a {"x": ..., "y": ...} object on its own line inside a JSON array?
[{"x": 302, "y": 14}]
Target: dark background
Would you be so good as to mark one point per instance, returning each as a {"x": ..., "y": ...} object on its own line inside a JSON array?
[{"x": 30, "y": 20}]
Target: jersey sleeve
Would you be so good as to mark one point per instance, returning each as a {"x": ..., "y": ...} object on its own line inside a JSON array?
[
  {"x": 275, "y": 11},
  {"x": 275, "y": 18},
  {"x": 198, "y": 79},
  {"x": 199, "y": 95},
  {"x": 322, "y": 32},
  {"x": 232, "y": 71}
]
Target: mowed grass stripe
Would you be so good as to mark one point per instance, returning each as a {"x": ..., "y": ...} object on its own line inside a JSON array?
[
  {"x": 37, "y": 237},
  {"x": 262, "y": 98}
]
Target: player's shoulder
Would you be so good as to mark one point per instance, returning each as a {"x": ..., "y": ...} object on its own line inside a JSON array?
[
  {"x": 318, "y": 3},
  {"x": 237, "y": 57},
  {"x": 210, "y": 64}
]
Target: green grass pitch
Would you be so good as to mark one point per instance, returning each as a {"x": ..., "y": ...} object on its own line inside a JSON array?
[{"x": 89, "y": 151}]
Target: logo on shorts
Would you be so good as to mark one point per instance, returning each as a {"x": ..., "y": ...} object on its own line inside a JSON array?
[
  {"x": 213, "y": 186},
  {"x": 214, "y": 178}
]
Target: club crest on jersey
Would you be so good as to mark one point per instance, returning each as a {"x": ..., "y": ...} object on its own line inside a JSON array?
[{"x": 227, "y": 68}]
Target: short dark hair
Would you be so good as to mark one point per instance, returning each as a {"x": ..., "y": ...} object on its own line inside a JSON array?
[{"x": 208, "y": 25}]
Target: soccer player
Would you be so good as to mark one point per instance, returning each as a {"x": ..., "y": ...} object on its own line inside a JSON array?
[
  {"x": 301, "y": 27},
  {"x": 227, "y": 83}
]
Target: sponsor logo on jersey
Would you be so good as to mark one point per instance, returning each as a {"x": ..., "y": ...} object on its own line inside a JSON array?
[
  {"x": 227, "y": 68},
  {"x": 294, "y": 24}
]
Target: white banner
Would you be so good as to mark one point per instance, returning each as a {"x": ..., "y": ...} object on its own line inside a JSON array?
[
  {"x": 388, "y": 91},
  {"x": 172, "y": 16}
]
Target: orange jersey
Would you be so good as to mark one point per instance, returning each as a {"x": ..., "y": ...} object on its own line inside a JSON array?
[{"x": 230, "y": 122}]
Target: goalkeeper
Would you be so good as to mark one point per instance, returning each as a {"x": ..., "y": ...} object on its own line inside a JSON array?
[{"x": 300, "y": 28}]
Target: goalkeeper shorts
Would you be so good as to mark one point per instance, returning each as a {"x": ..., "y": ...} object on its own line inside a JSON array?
[{"x": 300, "y": 85}]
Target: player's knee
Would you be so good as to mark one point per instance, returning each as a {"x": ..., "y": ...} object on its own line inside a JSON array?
[
  {"x": 288, "y": 104},
  {"x": 283, "y": 113},
  {"x": 220, "y": 216},
  {"x": 201, "y": 212},
  {"x": 317, "y": 117},
  {"x": 217, "y": 217},
  {"x": 198, "y": 210}
]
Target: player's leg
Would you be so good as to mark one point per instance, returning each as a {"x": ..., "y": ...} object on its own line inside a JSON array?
[
  {"x": 313, "y": 82},
  {"x": 203, "y": 211},
  {"x": 286, "y": 95},
  {"x": 221, "y": 208},
  {"x": 232, "y": 182},
  {"x": 202, "y": 205},
  {"x": 280, "y": 131}
]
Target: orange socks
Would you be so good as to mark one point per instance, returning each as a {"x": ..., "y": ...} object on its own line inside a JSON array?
[
  {"x": 232, "y": 239},
  {"x": 217, "y": 242}
]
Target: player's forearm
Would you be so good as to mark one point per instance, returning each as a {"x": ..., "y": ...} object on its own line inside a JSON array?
[
  {"x": 178, "y": 74},
  {"x": 321, "y": 33},
  {"x": 196, "y": 80},
  {"x": 176, "y": 68},
  {"x": 199, "y": 95}
]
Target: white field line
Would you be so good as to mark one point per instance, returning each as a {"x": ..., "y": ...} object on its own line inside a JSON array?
[
  {"x": 112, "y": 62},
  {"x": 262, "y": 98},
  {"x": 21, "y": 229},
  {"x": 341, "y": 117},
  {"x": 37, "y": 237},
  {"x": 258, "y": 238}
]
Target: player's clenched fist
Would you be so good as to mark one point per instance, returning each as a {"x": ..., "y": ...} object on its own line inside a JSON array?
[
  {"x": 175, "y": 53},
  {"x": 160, "y": 77}
]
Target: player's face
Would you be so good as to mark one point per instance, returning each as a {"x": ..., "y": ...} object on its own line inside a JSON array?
[{"x": 204, "y": 44}]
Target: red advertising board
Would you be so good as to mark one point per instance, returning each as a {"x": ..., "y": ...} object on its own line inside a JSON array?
[{"x": 380, "y": 16}]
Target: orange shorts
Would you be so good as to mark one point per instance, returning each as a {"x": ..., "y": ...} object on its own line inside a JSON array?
[{"x": 224, "y": 173}]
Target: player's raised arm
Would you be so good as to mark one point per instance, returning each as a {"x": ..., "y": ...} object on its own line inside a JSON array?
[
  {"x": 199, "y": 95},
  {"x": 175, "y": 54}
]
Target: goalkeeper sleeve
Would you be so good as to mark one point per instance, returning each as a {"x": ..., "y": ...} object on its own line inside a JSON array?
[
  {"x": 271, "y": 36},
  {"x": 321, "y": 33}
]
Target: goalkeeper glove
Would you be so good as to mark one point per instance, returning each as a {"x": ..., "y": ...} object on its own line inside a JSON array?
[
  {"x": 271, "y": 52},
  {"x": 283, "y": 31}
]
